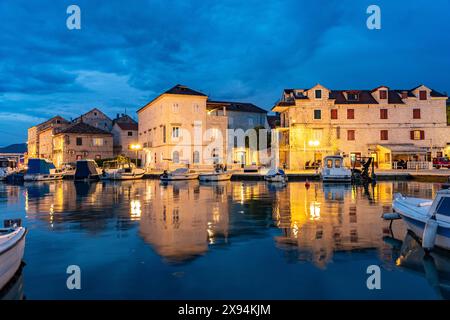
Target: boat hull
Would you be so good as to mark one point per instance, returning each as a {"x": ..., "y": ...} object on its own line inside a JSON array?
[
  {"x": 42, "y": 177},
  {"x": 179, "y": 177},
  {"x": 215, "y": 177},
  {"x": 415, "y": 216},
  {"x": 344, "y": 179},
  {"x": 276, "y": 179},
  {"x": 11, "y": 256}
]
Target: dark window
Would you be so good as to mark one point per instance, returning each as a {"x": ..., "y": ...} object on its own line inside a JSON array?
[
  {"x": 130, "y": 133},
  {"x": 443, "y": 206},
  {"x": 383, "y": 113},
  {"x": 318, "y": 94},
  {"x": 404, "y": 95},
  {"x": 164, "y": 133},
  {"x": 79, "y": 141},
  {"x": 416, "y": 113},
  {"x": 353, "y": 96},
  {"x": 95, "y": 113},
  {"x": 383, "y": 94},
  {"x": 422, "y": 95},
  {"x": 334, "y": 114},
  {"x": 384, "y": 135},
  {"x": 317, "y": 114},
  {"x": 350, "y": 113},
  {"x": 350, "y": 135}
]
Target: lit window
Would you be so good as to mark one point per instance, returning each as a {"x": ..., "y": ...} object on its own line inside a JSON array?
[{"x": 97, "y": 142}]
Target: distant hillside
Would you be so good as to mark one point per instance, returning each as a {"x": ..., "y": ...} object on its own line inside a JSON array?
[{"x": 14, "y": 148}]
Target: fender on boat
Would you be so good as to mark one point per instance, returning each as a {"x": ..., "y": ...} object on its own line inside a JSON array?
[{"x": 429, "y": 234}]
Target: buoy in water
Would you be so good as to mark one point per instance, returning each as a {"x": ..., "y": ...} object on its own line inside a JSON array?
[{"x": 429, "y": 234}]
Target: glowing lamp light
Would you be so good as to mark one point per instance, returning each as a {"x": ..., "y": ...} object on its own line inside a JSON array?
[
  {"x": 314, "y": 143},
  {"x": 135, "y": 147}
]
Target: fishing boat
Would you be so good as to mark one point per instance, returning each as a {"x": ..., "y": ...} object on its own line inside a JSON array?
[
  {"x": 115, "y": 170},
  {"x": 219, "y": 174},
  {"x": 429, "y": 220},
  {"x": 42, "y": 170},
  {"x": 12, "y": 246},
  {"x": 87, "y": 170},
  {"x": 179, "y": 174},
  {"x": 333, "y": 170},
  {"x": 276, "y": 175},
  {"x": 6, "y": 168}
]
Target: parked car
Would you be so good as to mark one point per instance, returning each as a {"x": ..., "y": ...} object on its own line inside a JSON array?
[{"x": 441, "y": 162}]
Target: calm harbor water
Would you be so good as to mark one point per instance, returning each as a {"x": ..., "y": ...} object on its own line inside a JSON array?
[{"x": 230, "y": 240}]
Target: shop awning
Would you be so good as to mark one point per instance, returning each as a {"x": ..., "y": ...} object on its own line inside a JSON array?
[{"x": 403, "y": 148}]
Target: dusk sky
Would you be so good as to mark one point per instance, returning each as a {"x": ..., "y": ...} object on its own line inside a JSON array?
[{"x": 127, "y": 52}]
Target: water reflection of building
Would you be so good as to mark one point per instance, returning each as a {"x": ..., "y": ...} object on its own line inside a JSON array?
[
  {"x": 325, "y": 219},
  {"x": 182, "y": 218},
  {"x": 82, "y": 205}
]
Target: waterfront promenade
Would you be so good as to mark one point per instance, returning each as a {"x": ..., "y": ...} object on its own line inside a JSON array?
[{"x": 435, "y": 175}]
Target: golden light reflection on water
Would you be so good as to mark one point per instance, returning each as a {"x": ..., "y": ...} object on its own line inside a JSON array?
[{"x": 182, "y": 220}]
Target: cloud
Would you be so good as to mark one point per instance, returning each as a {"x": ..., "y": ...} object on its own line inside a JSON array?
[{"x": 126, "y": 53}]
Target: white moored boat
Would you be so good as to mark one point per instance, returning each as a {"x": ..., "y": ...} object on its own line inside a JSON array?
[
  {"x": 42, "y": 170},
  {"x": 6, "y": 168},
  {"x": 333, "y": 170},
  {"x": 429, "y": 220},
  {"x": 115, "y": 170},
  {"x": 179, "y": 174},
  {"x": 12, "y": 246},
  {"x": 276, "y": 175},
  {"x": 219, "y": 174}
]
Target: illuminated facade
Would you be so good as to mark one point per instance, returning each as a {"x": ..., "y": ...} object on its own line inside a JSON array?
[
  {"x": 386, "y": 124},
  {"x": 181, "y": 126}
]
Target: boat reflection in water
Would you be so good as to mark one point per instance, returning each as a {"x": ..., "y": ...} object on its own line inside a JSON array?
[
  {"x": 434, "y": 267},
  {"x": 14, "y": 289}
]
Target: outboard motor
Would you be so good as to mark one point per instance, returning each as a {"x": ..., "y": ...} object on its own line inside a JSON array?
[{"x": 429, "y": 234}]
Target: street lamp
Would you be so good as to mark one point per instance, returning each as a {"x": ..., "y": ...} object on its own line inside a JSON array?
[{"x": 136, "y": 147}]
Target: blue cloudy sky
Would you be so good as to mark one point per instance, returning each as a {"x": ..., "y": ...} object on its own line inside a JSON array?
[{"x": 245, "y": 50}]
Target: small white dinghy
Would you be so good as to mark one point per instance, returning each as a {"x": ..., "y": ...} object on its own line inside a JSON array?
[
  {"x": 12, "y": 246},
  {"x": 219, "y": 174},
  {"x": 179, "y": 174},
  {"x": 276, "y": 175},
  {"x": 429, "y": 220}
]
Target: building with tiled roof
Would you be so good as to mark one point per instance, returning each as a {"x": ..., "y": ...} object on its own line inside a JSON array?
[
  {"x": 183, "y": 112},
  {"x": 81, "y": 141},
  {"x": 387, "y": 124},
  {"x": 125, "y": 132}
]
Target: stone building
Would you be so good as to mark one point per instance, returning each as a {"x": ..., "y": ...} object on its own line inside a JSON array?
[
  {"x": 81, "y": 141},
  {"x": 181, "y": 126},
  {"x": 387, "y": 124},
  {"x": 125, "y": 133},
  {"x": 38, "y": 137}
]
